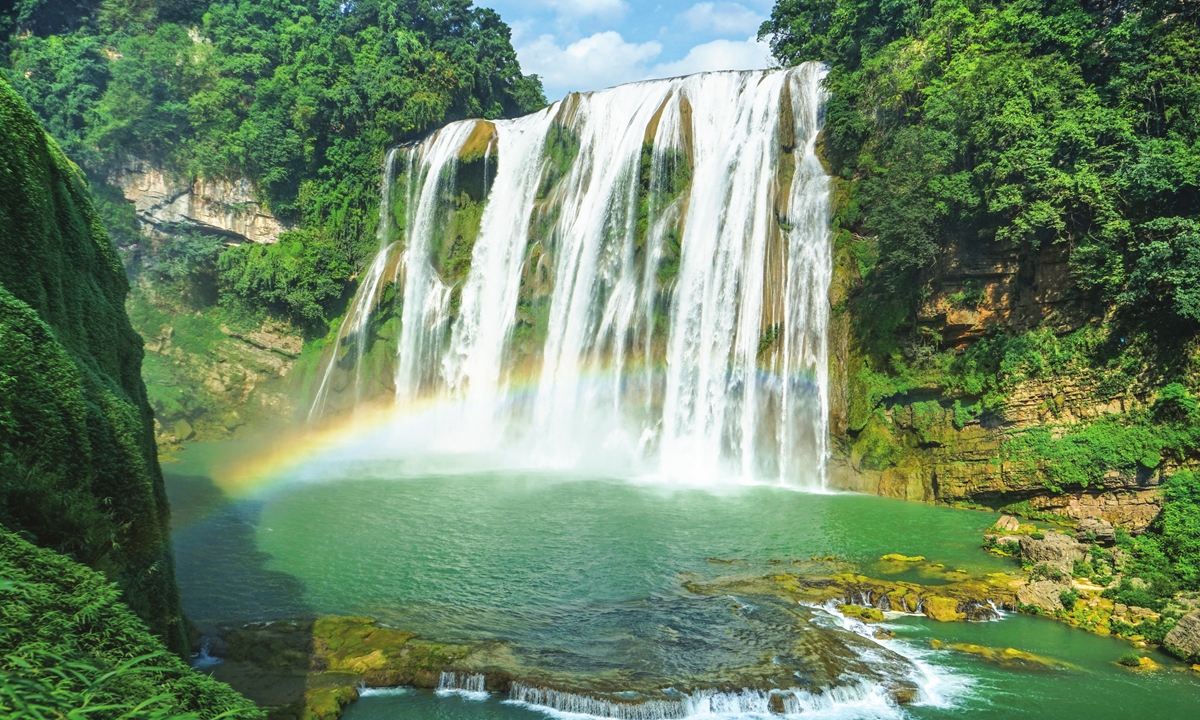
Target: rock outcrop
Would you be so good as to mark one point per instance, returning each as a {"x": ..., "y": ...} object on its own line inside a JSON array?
[
  {"x": 1055, "y": 550},
  {"x": 163, "y": 200},
  {"x": 1184, "y": 638},
  {"x": 1045, "y": 595},
  {"x": 1097, "y": 529}
]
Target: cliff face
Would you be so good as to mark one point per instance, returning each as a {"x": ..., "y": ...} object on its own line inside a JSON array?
[
  {"x": 921, "y": 445},
  {"x": 78, "y": 467},
  {"x": 164, "y": 200}
]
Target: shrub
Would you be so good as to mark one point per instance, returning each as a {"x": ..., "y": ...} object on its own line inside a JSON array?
[{"x": 1130, "y": 659}]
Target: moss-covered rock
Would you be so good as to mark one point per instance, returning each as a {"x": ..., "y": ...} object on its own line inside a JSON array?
[{"x": 78, "y": 466}]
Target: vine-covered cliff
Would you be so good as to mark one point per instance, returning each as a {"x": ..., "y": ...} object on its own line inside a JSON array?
[{"x": 78, "y": 470}]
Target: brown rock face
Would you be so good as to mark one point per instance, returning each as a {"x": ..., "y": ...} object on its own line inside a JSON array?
[
  {"x": 1184, "y": 638},
  {"x": 1043, "y": 594},
  {"x": 226, "y": 206},
  {"x": 1056, "y": 550}
]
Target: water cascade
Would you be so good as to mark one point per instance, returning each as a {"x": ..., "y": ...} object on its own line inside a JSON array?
[{"x": 640, "y": 272}]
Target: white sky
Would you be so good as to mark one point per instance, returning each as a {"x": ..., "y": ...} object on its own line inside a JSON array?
[{"x": 592, "y": 44}]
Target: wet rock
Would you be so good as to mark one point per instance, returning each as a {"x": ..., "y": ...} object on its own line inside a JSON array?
[
  {"x": 904, "y": 696},
  {"x": 1184, "y": 638},
  {"x": 866, "y": 614},
  {"x": 775, "y": 704},
  {"x": 943, "y": 609},
  {"x": 884, "y": 634},
  {"x": 1097, "y": 529},
  {"x": 1054, "y": 549}
]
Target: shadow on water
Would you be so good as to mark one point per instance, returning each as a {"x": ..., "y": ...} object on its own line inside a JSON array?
[
  {"x": 223, "y": 576},
  {"x": 228, "y": 588}
]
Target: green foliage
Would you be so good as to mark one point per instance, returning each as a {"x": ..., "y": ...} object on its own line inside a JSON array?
[
  {"x": 1168, "y": 554},
  {"x": 302, "y": 276},
  {"x": 1130, "y": 659},
  {"x": 301, "y": 96},
  {"x": 965, "y": 123},
  {"x": 78, "y": 465},
  {"x": 1128, "y": 594},
  {"x": 71, "y": 650},
  {"x": 1068, "y": 598}
]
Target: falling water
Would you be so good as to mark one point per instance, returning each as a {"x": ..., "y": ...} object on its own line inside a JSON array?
[{"x": 648, "y": 277}]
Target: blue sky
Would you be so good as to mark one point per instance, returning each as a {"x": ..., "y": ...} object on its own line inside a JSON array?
[{"x": 592, "y": 44}]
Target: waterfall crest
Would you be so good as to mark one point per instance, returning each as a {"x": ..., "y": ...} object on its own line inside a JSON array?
[{"x": 639, "y": 272}]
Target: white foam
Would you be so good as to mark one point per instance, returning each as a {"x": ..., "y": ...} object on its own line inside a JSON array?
[{"x": 465, "y": 685}]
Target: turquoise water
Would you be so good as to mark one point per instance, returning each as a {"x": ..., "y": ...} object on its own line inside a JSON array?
[{"x": 585, "y": 574}]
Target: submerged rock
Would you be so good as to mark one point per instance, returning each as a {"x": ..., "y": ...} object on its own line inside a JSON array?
[
  {"x": 897, "y": 557},
  {"x": 1009, "y": 658}
]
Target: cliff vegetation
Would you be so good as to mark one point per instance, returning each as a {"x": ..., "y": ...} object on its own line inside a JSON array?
[
  {"x": 79, "y": 480},
  {"x": 296, "y": 100},
  {"x": 1018, "y": 253}
]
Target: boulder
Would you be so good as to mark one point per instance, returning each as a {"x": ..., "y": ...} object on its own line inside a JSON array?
[
  {"x": 183, "y": 430},
  {"x": 1099, "y": 529},
  {"x": 1184, "y": 638},
  {"x": 1054, "y": 549},
  {"x": 943, "y": 609},
  {"x": 1043, "y": 595},
  {"x": 1007, "y": 523}
]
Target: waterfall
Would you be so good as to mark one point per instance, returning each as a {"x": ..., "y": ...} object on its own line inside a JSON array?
[{"x": 639, "y": 272}]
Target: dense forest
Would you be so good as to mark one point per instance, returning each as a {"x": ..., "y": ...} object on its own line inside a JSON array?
[
  {"x": 302, "y": 97},
  {"x": 1045, "y": 126}
]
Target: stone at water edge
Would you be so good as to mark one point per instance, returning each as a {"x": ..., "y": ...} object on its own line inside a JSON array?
[
  {"x": 1007, "y": 523},
  {"x": 183, "y": 430},
  {"x": 1043, "y": 594},
  {"x": 943, "y": 609},
  {"x": 1184, "y": 638}
]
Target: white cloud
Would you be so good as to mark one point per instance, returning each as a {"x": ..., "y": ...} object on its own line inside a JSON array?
[
  {"x": 749, "y": 54},
  {"x": 723, "y": 18},
  {"x": 599, "y": 61}
]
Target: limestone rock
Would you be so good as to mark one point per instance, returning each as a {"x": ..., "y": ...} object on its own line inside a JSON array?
[
  {"x": 1007, "y": 523},
  {"x": 1098, "y": 528},
  {"x": 227, "y": 206},
  {"x": 1184, "y": 638},
  {"x": 1043, "y": 594},
  {"x": 1054, "y": 549},
  {"x": 183, "y": 430}
]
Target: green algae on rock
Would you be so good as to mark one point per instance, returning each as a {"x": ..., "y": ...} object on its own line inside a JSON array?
[{"x": 78, "y": 466}]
